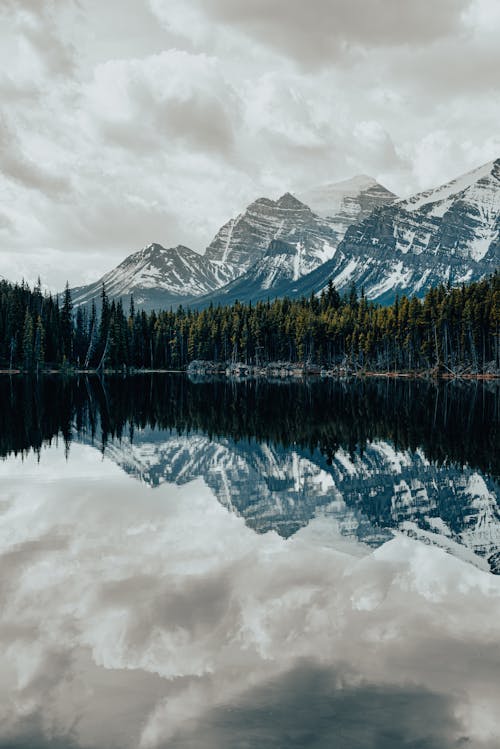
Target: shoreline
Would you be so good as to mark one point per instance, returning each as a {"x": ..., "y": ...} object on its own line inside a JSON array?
[{"x": 293, "y": 374}]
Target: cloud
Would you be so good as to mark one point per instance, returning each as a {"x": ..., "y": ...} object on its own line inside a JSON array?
[
  {"x": 15, "y": 165},
  {"x": 329, "y": 30},
  {"x": 37, "y": 27},
  {"x": 145, "y": 104},
  {"x": 126, "y": 123}
]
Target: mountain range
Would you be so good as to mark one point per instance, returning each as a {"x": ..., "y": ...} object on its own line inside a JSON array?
[{"x": 354, "y": 231}]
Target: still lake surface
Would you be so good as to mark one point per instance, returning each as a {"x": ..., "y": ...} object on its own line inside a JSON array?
[{"x": 222, "y": 565}]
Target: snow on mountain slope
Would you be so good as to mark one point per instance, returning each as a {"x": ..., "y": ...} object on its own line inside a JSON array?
[
  {"x": 272, "y": 275},
  {"x": 449, "y": 189},
  {"x": 450, "y": 234},
  {"x": 474, "y": 199},
  {"x": 244, "y": 240},
  {"x": 170, "y": 274}
]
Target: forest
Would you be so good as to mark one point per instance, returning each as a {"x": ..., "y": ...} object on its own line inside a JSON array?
[{"x": 452, "y": 329}]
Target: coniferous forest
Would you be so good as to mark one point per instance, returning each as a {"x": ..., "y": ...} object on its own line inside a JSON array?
[{"x": 451, "y": 329}]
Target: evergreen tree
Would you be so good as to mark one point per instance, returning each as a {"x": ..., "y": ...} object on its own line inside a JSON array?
[
  {"x": 28, "y": 359},
  {"x": 66, "y": 332}
]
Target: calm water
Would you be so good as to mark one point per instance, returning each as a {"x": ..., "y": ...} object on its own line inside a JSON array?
[{"x": 216, "y": 565}]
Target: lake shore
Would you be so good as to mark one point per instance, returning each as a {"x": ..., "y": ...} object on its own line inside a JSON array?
[{"x": 251, "y": 372}]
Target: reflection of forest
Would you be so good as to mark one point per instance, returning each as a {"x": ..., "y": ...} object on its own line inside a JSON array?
[{"x": 452, "y": 421}]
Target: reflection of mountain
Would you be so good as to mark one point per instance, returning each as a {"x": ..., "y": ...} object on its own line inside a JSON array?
[
  {"x": 371, "y": 455},
  {"x": 364, "y": 496}
]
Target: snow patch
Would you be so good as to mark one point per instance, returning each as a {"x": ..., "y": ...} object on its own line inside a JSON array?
[{"x": 447, "y": 190}]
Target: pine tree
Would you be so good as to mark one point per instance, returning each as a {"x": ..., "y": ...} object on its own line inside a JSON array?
[
  {"x": 67, "y": 325},
  {"x": 28, "y": 359},
  {"x": 39, "y": 350}
]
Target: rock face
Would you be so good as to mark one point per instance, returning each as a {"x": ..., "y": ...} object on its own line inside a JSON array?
[{"x": 244, "y": 240}]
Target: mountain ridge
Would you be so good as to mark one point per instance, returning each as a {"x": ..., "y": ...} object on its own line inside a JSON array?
[
  {"x": 239, "y": 244},
  {"x": 449, "y": 234}
]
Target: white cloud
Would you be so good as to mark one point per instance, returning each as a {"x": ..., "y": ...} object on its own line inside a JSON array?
[
  {"x": 173, "y": 96},
  {"x": 321, "y": 36},
  {"x": 129, "y": 122}
]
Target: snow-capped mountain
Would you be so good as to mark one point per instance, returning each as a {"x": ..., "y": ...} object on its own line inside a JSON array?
[
  {"x": 285, "y": 260},
  {"x": 347, "y": 202},
  {"x": 302, "y": 240},
  {"x": 155, "y": 276},
  {"x": 364, "y": 497},
  {"x": 363, "y": 236},
  {"x": 451, "y": 233},
  {"x": 245, "y": 239},
  {"x": 162, "y": 277}
]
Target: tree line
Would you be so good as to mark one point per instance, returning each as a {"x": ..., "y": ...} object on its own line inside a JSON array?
[{"x": 454, "y": 329}]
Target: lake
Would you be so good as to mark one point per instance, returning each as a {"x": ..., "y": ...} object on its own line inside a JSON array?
[{"x": 213, "y": 564}]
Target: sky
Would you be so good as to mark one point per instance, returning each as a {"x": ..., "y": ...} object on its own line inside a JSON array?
[{"x": 133, "y": 121}]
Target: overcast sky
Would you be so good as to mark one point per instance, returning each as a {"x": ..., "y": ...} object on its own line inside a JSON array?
[{"x": 130, "y": 121}]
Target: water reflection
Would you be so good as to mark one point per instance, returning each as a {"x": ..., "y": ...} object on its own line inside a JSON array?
[
  {"x": 138, "y": 618},
  {"x": 372, "y": 457},
  {"x": 453, "y": 421}
]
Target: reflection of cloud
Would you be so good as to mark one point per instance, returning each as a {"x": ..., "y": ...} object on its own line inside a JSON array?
[
  {"x": 133, "y": 617},
  {"x": 314, "y": 706}
]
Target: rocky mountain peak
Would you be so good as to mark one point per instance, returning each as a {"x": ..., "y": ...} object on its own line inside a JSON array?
[
  {"x": 464, "y": 187},
  {"x": 357, "y": 183},
  {"x": 291, "y": 203},
  {"x": 265, "y": 203},
  {"x": 244, "y": 240}
]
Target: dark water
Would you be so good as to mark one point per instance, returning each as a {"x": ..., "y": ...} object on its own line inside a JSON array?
[{"x": 254, "y": 564}]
